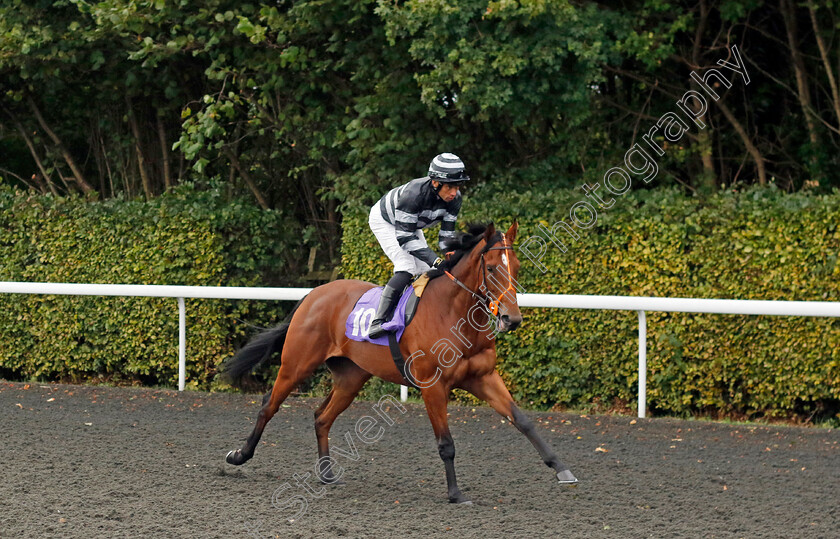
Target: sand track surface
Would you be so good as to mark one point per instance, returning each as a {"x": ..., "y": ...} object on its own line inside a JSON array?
[{"x": 82, "y": 461}]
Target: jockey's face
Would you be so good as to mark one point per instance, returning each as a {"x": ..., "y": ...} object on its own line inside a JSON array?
[{"x": 447, "y": 192}]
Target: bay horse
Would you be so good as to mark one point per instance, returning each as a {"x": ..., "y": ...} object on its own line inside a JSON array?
[{"x": 480, "y": 271}]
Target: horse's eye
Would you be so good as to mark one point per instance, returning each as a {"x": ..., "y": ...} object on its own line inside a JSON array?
[{"x": 491, "y": 269}]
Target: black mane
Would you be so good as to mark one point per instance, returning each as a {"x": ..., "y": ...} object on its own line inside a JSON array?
[{"x": 462, "y": 244}]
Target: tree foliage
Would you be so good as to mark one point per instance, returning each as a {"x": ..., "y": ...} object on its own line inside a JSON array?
[{"x": 316, "y": 107}]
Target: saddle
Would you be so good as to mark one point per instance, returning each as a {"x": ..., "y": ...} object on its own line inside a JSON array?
[{"x": 358, "y": 323}]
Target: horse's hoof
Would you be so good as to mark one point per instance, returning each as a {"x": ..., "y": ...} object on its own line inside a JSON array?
[
  {"x": 234, "y": 457},
  {"x": 332, "y": 481},
  {"x": 566, "y": 478}
]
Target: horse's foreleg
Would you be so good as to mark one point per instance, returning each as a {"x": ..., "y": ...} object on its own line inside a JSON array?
[
  {"x": 491, "y": 388},
  {"x": 282, "y": 387},
  {"x": 348, "y": 380},
  {"x": 436, "y": 399}
]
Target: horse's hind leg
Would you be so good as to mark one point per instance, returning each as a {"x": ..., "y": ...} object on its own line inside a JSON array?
[
  {"x": 286, "y": 381},
  {"x": 491, "y": 388},
  {"x": 348, "y": 379}
]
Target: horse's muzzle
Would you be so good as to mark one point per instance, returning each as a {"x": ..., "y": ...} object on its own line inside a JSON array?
[{"x": 509, "y": 323}]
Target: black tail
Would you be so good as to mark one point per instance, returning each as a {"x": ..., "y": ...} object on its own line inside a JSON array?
[{"x": 257, "y": 351}]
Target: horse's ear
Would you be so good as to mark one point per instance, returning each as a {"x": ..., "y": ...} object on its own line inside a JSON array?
[
  {"x": 511, "y": 233},
  {"x": 489, "y": 232}
]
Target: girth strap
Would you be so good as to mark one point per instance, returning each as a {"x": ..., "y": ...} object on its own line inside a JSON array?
[{"x": 398, "y": 359}]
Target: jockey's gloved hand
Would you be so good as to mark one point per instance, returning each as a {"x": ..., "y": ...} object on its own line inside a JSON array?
[{"x": 438, "y": 261}]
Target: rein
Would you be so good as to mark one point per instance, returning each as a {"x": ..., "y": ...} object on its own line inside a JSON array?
[{"x": 491, "y": 305}]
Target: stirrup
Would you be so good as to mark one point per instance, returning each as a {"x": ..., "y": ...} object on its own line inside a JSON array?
[{"x": 376, "y": 330}]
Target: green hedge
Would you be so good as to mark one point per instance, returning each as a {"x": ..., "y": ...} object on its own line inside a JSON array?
[
  {"x": 758, "y": 244},
  {"x": 188, "y": 237}
]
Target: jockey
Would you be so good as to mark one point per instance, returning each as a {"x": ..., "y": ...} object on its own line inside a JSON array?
[{"x": 398, "y": 220}]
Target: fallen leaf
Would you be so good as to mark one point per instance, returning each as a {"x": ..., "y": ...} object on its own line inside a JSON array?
[
  {"x": 633, "y": 422},
  {"x": 19, "y": 405},
  {"x": 602, "y": 449},
  {"x": 50, "y": 400}
]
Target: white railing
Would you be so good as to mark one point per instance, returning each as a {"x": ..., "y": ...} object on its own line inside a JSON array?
[
  {"x": 677, "y": 305},
  {"x": 159, "y": 291},
  {"x": 620, "y": 303}
]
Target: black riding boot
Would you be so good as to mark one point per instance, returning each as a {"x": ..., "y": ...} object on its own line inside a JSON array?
[{"x": 388, "y": 302}]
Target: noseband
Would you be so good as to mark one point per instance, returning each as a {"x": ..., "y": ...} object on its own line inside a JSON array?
[{"x": 484, "y": 299}]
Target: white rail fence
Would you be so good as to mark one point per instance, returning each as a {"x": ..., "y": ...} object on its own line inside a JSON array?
[
  {"x": 677, "y": 305},
  {"x": 558, "y": 301},
  {"x": 159, "y": 291}
]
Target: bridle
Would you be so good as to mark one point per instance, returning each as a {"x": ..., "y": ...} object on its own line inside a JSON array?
[{"x": 491, "y": 305}]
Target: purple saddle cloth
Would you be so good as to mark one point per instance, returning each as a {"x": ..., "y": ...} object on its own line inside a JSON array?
[{"x": 358, "y": 323}]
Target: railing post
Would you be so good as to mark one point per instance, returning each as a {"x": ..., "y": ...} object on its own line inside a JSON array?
[
  {"x": 403, "y": 393},
  {"x": 642, "y": 363},
  {"x": 182, "y": 344}
]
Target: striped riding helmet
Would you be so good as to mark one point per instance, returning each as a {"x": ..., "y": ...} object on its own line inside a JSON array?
[{"x": 448, "y": 168}]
